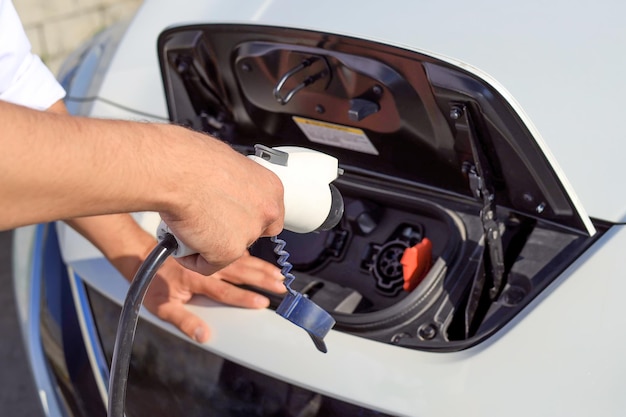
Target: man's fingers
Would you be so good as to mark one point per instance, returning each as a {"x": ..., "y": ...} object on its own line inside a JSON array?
[
  {"x": 175, "y": 285},
  {"x": 190, "y": 324},
  {"x": 275, "y": 228},
  {"x": 253, "y": 271},
  {"x": 197, "y": 264},
  {"x": 227, "y": 293}
]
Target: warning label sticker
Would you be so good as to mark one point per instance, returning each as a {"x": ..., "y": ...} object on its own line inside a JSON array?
[{"x": 336, "y": 135}]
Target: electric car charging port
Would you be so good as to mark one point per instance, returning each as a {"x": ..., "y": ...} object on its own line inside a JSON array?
[
  {"x": 379, "y": 227},
  {"x": 385, "y": 262},
  {"x": 454, "y": 218},
  {"x": 355, "y": 271}
]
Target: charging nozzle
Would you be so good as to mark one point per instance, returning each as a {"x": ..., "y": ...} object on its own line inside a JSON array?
[
  {"x": 311, "y": 202},
  {"x": 336, "y": 209}
]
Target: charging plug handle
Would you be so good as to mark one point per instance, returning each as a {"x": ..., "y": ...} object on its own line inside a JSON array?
[{"x": 312, "y": 202}]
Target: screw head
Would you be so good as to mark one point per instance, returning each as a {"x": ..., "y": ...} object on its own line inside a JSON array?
[
  {"x": 396, "y": 338},
  {"x": 456, "y": 113},
  {"x": 320, "y": 109},
  {"x": 514, "y": 295},
  {"x": 427, "y": 331},
  {"x": 540, "y": 208},
  {"x": 181, "y": 65}
]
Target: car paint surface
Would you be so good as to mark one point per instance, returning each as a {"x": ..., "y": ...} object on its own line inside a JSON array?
[{"x": 558, "y": 357}]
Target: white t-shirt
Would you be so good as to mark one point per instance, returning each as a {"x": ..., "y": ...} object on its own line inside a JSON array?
[{"x": 24, "y": 78}]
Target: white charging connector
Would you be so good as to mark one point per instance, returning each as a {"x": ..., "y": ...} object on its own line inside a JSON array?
[{"x": 311, "y": 201}]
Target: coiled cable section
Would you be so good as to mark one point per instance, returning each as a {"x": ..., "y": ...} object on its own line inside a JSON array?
[{"x": 286, "y": 266}]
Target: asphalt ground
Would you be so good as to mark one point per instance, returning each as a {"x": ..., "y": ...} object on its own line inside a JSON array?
[{"x": 18, "y": 396}]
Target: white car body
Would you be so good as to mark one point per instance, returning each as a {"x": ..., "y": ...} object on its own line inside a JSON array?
[{"x": 561, "y": 68}]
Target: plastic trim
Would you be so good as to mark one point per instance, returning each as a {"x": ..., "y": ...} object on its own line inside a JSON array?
[
  {"x": 44, "y": 381},
  {"x": 97, "y": 360}
]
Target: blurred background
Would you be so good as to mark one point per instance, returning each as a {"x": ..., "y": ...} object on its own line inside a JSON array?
[{"x": 55, "y": 28}]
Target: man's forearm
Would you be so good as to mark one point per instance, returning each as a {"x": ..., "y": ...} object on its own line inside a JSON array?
[
  {"x": 110, "y": 233},
  {"x": 118, "y": 236},
  {"x": 57, "y": 166},
  {"x": 216, "y": 200}
]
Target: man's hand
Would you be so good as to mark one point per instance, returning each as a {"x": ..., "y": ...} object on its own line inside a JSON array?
[
  {"x": 224, "y": 201},
  {"x": 126, "y": 245},
  {"x": 173, "y": 286}
]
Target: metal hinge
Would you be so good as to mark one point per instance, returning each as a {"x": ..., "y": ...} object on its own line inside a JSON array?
[{"x": 491, "y": 268}]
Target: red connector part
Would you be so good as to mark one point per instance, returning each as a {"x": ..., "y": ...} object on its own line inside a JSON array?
[{"x": 416, "y": 262}]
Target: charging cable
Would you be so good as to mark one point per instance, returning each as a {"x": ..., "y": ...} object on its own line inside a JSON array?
[{"x": 118, "y": 378}]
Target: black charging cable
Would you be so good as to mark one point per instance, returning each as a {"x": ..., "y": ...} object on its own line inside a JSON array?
[{"x": 127, "y": 326}]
